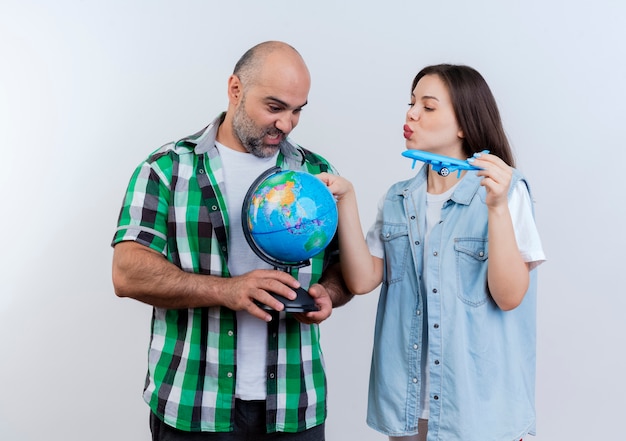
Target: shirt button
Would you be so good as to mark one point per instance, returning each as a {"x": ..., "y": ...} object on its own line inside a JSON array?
[
  {"x": 414, "y": 380},
  {"x": 418, "y": 312},
  {"x": 436, "y": 397},
  {"x": 412, "y": 217},
  {"x": 437, "y": 362},
  {"x": 435, "y": 253},
  {"x": 435, "y": 290},
  {"x": 201, "y": 171},
  {"x": 272, "y": 375},
  {"x": 417, "y": 242},
  {"x": 415, "y": 346},
  {"x": 436, "y": 325},
  {"x": 214, "y": 208},
  {"x": 230, "y": 333},
  {"x": 229, "y": 375}
]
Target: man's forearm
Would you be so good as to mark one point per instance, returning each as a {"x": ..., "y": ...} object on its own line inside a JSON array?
[
  {"x": 143, "y": 274},
  {"x": 333, "y": 281}
]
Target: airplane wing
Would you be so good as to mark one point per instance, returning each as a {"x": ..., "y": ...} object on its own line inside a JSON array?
[{"x": 443, "y": 165}]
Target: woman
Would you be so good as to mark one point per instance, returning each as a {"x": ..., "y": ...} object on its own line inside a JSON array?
[{"x": 454, "y": 347}]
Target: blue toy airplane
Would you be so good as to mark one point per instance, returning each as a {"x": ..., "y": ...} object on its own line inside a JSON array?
[{"x": 441, "y": 164}]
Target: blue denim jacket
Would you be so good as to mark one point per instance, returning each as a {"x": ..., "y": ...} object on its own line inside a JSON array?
[{"x": 481, "y": 359}]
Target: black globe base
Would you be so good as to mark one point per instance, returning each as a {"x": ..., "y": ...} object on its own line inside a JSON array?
[{"x": 302, "y": 303}]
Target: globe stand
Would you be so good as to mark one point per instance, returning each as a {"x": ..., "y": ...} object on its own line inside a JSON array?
[{"x": 303, "y": 301}]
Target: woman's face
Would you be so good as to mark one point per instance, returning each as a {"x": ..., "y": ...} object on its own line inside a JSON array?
[{"x": 431, "y": 124}]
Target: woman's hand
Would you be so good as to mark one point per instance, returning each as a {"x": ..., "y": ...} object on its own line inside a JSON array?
[
  {"x": 338, "y": 186},
  {"x": 497, "y": 178}
]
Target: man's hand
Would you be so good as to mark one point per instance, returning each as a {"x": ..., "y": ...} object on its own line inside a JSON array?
[
  {"x": 322, "y": 301},
  {"x": 331, "y": 292},
  {"x": 242, "y": 292}
]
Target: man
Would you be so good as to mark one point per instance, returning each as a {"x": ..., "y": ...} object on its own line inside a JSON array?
[{"x": 220, "y": 366}]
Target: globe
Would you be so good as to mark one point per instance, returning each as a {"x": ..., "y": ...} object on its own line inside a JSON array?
[{"x": 291, "y": 216}]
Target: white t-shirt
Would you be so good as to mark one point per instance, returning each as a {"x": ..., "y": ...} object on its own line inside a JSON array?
[
  {"x": 526, "y": 235},
  {"x": 240, "y": 171}
]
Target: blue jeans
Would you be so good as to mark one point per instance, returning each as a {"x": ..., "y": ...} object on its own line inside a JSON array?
[{"x": 249, "y": 426}]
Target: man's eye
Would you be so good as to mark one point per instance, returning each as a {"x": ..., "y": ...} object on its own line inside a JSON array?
[
  {"x": 274, "y": 109},
  {"x": 428, "y": 109}
]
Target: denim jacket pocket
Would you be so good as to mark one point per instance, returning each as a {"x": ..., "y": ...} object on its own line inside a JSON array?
[
  {"x": 395, "y": 238},
  {"x": 471, "y": 270}
]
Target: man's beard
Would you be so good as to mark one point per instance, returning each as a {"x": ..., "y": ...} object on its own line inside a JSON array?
[{"x": 251, "y": 136}]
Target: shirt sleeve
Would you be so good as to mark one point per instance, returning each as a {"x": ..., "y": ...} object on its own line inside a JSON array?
[
  {"x": 144, "y": 213},
  {"x": 526, "y": 233},
  {"x": 374, "y": 242}
]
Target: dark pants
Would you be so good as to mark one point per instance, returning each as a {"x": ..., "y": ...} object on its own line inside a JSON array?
[{"x": 249, "y": 426}]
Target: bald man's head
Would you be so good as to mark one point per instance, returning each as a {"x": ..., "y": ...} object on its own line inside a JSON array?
[
  {"x": 266, "y": 93},
  {"x": 250, "y": 66}
]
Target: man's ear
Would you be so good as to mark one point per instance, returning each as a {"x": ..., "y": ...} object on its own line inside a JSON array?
[
  {"x": 235, "y": 89},
  {"x": 460, "y": 133}
]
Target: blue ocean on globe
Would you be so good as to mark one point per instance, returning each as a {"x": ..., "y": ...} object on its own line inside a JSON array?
[{"x": 292, "y": 216}]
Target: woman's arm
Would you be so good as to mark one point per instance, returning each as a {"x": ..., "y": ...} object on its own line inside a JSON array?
[
  {"x": 361, "y": 271},
  {"x": 507, "y": 273}
]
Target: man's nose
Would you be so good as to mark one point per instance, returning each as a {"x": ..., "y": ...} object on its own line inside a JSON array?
[{"x": 284, "y": 124}]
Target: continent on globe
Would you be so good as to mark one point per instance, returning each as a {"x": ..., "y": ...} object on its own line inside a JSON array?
[{"x": 292, "y": 216}]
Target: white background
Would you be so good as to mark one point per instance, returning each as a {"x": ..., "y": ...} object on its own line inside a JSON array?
[{"x": 88, "y": 89}]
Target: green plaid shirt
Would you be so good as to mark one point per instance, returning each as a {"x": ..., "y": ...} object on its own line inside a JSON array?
[{"x": 175, "y": 205}]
